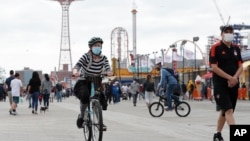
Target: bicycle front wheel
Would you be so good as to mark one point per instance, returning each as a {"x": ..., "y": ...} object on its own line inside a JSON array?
[
  {"x": 182, "y": 109},
  {"x": 97, "y": 121},
  {"x": 156, "y": 109},
  {"x": 87, "y": 128}
]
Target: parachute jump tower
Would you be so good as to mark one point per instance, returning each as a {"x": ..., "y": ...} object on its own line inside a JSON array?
[{"x": 65, "y": 59}]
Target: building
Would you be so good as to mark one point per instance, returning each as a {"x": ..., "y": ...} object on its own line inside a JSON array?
[
  {"x": 62, "y": 75},
  {"x": 26, "y": 74}
]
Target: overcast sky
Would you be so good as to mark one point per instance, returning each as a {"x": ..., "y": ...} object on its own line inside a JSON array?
[{"x": 31, "y": 29}]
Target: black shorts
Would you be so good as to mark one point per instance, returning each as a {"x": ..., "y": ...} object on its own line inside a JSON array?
[{"x": 226, "y": 97}]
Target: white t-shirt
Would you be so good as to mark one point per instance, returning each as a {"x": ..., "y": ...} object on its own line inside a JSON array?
[
  {"x": 16, "y": 85},
  {"x": 124, "y": 89}
]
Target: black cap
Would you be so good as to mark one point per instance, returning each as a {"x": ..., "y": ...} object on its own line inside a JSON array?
[{"x": 226, "y": 27}]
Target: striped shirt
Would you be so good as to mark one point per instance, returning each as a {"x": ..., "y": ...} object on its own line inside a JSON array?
[{"x": 95, "y": 67}]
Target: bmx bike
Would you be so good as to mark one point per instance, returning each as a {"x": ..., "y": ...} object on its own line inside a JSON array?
[{"x": 182, "y": 108}]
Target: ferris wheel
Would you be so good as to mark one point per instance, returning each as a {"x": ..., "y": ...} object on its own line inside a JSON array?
[{"x": 119, "y": 46}]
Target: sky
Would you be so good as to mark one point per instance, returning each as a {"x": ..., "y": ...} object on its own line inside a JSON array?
[{"x": 31, "y": 29}]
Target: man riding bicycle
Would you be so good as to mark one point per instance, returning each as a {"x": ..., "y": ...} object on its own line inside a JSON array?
[
  {"x": 92, "y": 63},
  {"x": 169, "y": 83}
]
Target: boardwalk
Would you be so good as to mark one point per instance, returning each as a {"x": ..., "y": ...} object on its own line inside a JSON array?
[{"x": 125, "y": 123}]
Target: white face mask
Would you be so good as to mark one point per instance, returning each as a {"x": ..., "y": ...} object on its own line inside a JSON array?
[{"x": 228, "y": 37}]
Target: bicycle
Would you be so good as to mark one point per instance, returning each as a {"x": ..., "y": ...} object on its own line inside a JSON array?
[
  {"x": 182, "y": 108},
  {"x": 93, "y": 119}
]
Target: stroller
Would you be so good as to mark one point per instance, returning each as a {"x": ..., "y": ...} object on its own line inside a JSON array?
[{"x": 124, "y": 96}]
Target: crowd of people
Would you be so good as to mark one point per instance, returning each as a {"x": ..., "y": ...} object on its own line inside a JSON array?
[
  {"x": 226, "y": 63},
  {"x": 37, "y": 92}
]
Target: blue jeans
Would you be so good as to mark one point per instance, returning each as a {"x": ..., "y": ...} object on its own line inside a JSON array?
[
  {"x": 34, "y": 97},
  {"x": 59, "y": 96},
  {"x": 169, "y": 95}
]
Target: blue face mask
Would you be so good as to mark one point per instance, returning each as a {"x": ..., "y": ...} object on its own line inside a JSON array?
[{"x": 96, "y": 50}]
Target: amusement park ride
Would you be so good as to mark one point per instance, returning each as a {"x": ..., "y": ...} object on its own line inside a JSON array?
[{"x": 126, "y": 66}]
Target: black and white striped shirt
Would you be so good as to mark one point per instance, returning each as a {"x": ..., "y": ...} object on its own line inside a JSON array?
[{"x": 95, "y": 67}]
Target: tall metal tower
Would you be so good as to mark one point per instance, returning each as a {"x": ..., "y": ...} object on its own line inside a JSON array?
[
  {"x": 134, "y": 11},
  {"x": 65, "y": 59}
]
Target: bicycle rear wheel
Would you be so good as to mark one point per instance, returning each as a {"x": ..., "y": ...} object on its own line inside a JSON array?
[
  {"x": 182, "y": 109},
  {"x": 97, "y": 121},
  {"x": 156, "y": 109}
]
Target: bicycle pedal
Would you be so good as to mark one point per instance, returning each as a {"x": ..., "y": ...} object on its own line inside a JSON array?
[{"x": 104, "y": 129}]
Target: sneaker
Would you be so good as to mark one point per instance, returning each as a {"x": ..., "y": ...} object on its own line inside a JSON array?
[
  {"x": 14, "y": 113},
  {"x": 168, "y": 109},
  {"x": 10, "y": 111},
  {"x": 218, "y": 137},
  {"x": 79, "y": 121}
]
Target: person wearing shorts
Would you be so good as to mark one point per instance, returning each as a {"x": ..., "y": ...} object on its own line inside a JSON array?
[
  {"x": 226, "y": 63},
  {"x": 16, "y": 89}
]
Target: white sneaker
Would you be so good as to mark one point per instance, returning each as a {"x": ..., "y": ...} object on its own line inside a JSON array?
[{"x": 14, "y": 113}]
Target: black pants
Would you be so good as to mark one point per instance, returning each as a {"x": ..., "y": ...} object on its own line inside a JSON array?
[{"x": 46, "y": 100}]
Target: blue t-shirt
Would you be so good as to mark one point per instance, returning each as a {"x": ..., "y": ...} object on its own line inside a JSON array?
[{"x": 8, "y": 80}]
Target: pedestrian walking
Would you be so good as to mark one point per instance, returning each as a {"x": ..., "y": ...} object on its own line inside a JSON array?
[
  {"x": 190, "y": 89},
  {"x": 134, "y": 89},
  {"x": 7, "y": 86},
  {"x": 16, "y": 90},
  {"x": 46, "y": 90},
  {"x": 116, "y": 91},
  {"x": 149, "y": 90},
  {"x": 226, "y": 63},
  {"x": 59, "y": 89},
  {"x": 34, "y": 90}
]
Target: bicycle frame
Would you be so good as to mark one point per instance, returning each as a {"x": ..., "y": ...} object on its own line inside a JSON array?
[
  {"x": 174, "y": 98},
  {"x": 94, "y": 114}
]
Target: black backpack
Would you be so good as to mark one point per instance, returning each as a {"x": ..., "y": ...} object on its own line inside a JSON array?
[{"x": 171, "y": 71}]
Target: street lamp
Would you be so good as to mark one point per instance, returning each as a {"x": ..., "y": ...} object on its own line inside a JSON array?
[
  {"x": 173, "y": 49},
  {"x": 155, "y": 52},
  {"x": 162, "y": 53},
  {"x": 119, "y": 67},
  {"x": 147, "y": 55},
  {"x": 195, "y": 39},
  {"x": 182, "y": 48}
]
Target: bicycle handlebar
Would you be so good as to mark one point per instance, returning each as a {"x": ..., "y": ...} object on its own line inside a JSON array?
[{"x": 91, "y": 75}]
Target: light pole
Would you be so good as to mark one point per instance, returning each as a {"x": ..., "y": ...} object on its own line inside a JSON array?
[
  {"x": 182, "y": 48},
  {"x": 155, "y": 52},
  {"x": 195, "y": 39},
  {"x": 147, "y": 55},
  {"x": 162, "y": 53},
  {"x": 173, "y": 49},
  {"x": 119, "y": 67}
]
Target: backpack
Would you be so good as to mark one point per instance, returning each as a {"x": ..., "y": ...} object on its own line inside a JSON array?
[{"x": 171, "y": 71}]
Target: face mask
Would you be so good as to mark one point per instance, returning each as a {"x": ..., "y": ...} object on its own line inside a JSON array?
[
  {"x": 228, "y": 37},
  {"x": 96, "y": 50}
]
